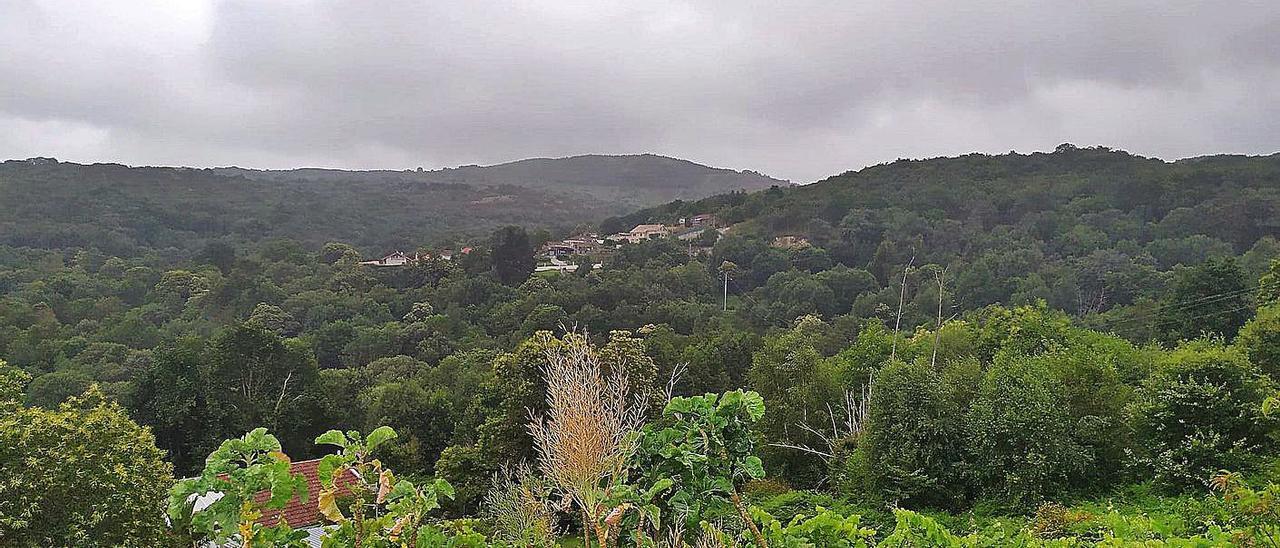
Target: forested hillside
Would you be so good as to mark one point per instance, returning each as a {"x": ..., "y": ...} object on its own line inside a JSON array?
[
  {"x": 135, "y": 210},
  {"x": 1062, "y": 349},
  {"x": 1092, "y": 231}
]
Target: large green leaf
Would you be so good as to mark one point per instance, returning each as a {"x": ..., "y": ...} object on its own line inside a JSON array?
[
  {"x": 753, "y": 467},
  {"x": 332, "y": 437},
  {"x": 378, "y": 436}
]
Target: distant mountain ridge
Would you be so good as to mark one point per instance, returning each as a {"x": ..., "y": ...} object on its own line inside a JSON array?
[
  {"x": 123, "y": 209},
  {"x": 634, "y": 179}
]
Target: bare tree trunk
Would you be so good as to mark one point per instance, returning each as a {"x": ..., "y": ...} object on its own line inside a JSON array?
[
  {"x": 937, "y": 330},
  {"x": 746, "y": 518},
  {"x": 902, "y": 295}
]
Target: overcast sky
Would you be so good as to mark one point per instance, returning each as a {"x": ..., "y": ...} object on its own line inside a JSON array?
[{"x": 798, "y": 90}]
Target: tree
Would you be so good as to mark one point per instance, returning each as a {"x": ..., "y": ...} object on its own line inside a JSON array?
[
  {"x": 1260, "y": 340},
  {"x": 911, "y": 437},
  {"x": 787, "y": 371},
  {"x": 220, "y": 255},
  {"x": 274, "y": 319},
  {"x": 261, "y": 379},
  {"x": 1209, "y": 298},
  {"x": 97, "y": 478},
  {"x": 419, "y": 312},
  {"x": 172, "y": 398},
  {"x": 1269, "y": 284},
  {"x": 512, "y": 255},
  {"x": 13, "y": 382},
  {"x": 51, "y": 389},
  {"x": 336, "y": 251}
]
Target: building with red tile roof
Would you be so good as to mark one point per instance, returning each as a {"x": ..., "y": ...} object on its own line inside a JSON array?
[{"x": 299, "y": 514}]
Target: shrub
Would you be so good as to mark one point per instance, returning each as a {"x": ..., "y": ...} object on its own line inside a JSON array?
[
  {"x": 1199, "y": 412},
  {"x": 912, "y": 437},
  {"x": 80, "y": 475},
  {"x": 1020, "y": 435}
]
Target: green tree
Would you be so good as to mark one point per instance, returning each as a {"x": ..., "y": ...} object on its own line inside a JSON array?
[
  {"x": 261, "y": 379},
  {"x": 1211, "y": 298},
  {"x": 1260, "y": 340},
  {"x": 13, "y": 382},
  {"x": 787, "y": 372},
  {"x": 1199, "y": 412},
  {"x": 172, "y": 398},
  {"x": 51, "y": 389},
  {"x": 1269, "y": 284},
  {"x": 911, "y": 437},
  {"x": 221, "y": 255},
  {"x": 80, "y": 475},
  {"x": 512, "y": 255},
  {"x": 274, "y": 319}
]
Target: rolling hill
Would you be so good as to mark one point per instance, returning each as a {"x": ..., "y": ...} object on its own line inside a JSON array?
[
  {"x": 1085, "y": 229},
  {"x": 121, "y": 209}
]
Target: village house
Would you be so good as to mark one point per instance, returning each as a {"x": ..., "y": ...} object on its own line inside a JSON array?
[
  {"x": 644, "y": 232},
  {"x": 705, "y": 220},
  {"x": 401, "y": 259},
  {"x": 395, "y": 259},
  {"x": 581, "y": 245}
]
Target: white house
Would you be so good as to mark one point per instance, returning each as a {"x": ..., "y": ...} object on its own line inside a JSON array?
[{"x": 394, "y": 259}]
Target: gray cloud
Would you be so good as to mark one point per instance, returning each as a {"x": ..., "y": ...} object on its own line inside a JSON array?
[{"x": 797, "y": 89}]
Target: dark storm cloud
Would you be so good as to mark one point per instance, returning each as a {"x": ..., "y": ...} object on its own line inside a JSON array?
[{"x": 796, "y": 89}]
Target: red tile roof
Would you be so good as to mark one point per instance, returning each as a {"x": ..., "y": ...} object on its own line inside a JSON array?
[{"x": 298, "y": 513}]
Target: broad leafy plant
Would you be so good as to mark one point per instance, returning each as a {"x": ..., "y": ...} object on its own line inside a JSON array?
[
  {"x": 705, "y": 449},
  {"x": 380, "y": 510}
]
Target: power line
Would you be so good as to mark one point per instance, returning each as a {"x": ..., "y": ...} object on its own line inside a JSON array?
[
  {"x": 1193, "y": 303},
  {"x": 1134, "y": 328}
]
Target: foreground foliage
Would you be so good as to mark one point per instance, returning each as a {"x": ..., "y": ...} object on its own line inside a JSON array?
[{"x": 79, "y": 475}]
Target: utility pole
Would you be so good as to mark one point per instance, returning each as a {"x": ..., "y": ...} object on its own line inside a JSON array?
[{"x": 726, "y": 268}]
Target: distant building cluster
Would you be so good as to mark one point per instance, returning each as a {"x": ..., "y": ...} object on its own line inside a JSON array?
[
  {"x": 564, "y": 255},
  {"x": 684, "y": 229},
  {"x": 400, "y": 258}
]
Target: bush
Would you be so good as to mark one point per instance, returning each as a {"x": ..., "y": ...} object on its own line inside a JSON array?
[
  {"x": 1199, "y": 412},
  {"x": 80, "y": 475},
  {"x": 912, "y": 437},
  {"x": 1020, "y": 434}
]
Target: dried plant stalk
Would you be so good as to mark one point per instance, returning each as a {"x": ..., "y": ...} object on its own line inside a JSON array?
[{"x": 588, "y": 432}]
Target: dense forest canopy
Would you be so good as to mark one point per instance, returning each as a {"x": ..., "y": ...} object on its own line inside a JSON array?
[
  {"x": 131, "y": 211},
  {"x": 1093, "y": 231},
  {"x": 984, "y": 335}
]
